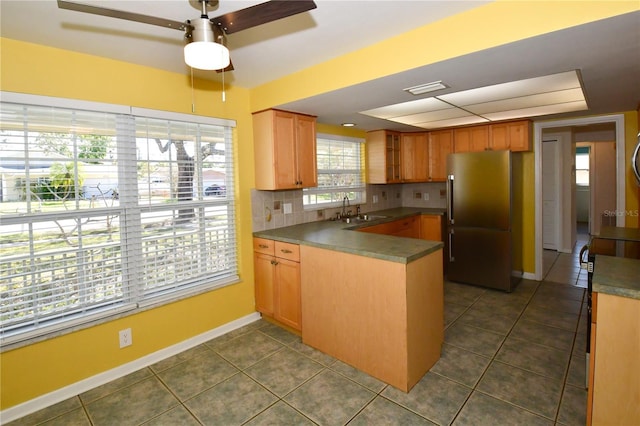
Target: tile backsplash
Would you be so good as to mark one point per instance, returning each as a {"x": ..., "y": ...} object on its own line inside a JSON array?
[{"x": 268, "y": 207}]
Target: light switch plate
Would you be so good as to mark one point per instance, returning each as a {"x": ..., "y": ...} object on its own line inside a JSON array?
[{"x": 286, "y": 208}]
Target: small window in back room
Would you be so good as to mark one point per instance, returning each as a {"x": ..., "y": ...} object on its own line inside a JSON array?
[{"x": 582, "y": 166}]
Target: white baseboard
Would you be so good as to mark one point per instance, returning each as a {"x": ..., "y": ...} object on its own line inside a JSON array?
[
  {"x": 87, "y": 384},
  {"x": 529, "y": 276}
]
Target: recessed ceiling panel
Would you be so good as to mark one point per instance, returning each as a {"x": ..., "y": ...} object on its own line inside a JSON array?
[
  {"x": 407, "y": 108},
  {"x": 550, "y": 94}
]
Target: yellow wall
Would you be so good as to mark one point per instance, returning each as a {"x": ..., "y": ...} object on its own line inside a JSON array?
[{"x": 37, "y": 369}]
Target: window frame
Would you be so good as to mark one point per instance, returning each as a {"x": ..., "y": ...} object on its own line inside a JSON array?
[
  {"x": 356, "y": 193},
  {"x": 135, "y": 299}
]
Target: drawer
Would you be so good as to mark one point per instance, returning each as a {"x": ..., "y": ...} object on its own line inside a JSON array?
[
  {"x": 262, "y": 245},
  {"x": 288, "y": 251}
]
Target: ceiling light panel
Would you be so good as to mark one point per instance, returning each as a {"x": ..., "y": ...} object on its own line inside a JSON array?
[
  {"x": 537, "y": 111},
  {"x": 461, "y": 121},
  {"x": 523, "y": 102},
  {"x": 531, "y": 86},
  {"x": 423, "y": 117},
  {"x": 408, "y": 108}
]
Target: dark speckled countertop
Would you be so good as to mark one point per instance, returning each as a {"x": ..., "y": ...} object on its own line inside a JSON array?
[
  {"x": 619, "y": 276},
  {"x": 341, "y": 236}
]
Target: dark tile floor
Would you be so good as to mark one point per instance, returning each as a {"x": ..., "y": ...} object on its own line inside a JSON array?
[{"x": 513, "y": 358}]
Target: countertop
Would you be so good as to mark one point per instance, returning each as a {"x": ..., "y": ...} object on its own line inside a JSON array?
[
  {"x": 618, "y": 233},
  {"x": 619, "y": 276},
  {"x": 340, "y": 236}
]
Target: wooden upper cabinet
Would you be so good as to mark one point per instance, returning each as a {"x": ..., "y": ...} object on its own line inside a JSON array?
[
  {"x": 471, "y": 139},
  {"x": 513, "y": 135},
  {"x": 414, "y": 160},
  {"x": 383, "y": 157},
  {"x": 440, "y": 145},
  {"x": 285, "y": 150}
]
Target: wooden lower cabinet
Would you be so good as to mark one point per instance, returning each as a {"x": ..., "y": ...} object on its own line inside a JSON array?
[
  {"x": 431, "y": 227},
  {"x": 384, "y": 318},
  {"x": 408, "y": 227},
  {"x": 614, "y": 370},
  {"x": 277, "y": 281}
]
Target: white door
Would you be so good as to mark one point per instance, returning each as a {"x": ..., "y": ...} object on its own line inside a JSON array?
[{"x": 550, "y": 195}]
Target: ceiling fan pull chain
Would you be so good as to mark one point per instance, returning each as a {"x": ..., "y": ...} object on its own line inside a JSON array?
[
  {"x": 193, "y": 100},
  {"x": 224, "y": 94}
]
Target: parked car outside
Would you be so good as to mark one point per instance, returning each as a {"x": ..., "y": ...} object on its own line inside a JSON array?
[{"x": 215, "y": 190}]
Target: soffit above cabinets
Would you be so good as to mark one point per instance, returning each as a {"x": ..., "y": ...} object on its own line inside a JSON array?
[{"x": 551, "y": 94}]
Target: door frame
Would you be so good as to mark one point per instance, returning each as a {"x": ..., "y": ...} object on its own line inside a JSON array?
[
  {"x": 618, "y": 120},
  {"x": 557, "y": 140}
]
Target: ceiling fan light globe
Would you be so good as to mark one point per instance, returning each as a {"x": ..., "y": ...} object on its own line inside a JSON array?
[{"x": 206, "y": 55}]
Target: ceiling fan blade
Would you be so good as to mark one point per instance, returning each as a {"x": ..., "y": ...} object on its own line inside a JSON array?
[
  {"x": 261, "y": 14},
  {"x": 227, "y": 69},
  {"x": 129, "y": 16}
]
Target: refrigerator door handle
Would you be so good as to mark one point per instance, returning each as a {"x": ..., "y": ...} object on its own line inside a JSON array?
[
  {"x": 450, "y": 199},
  {"x": 451, "y": 258}
]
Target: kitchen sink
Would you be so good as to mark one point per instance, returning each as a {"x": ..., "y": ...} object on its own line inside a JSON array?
[{"x": 363, "y": 218}]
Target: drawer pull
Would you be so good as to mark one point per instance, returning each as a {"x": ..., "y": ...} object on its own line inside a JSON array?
[
  {"x": 286, "y": 251},
  {"x": 263, "y": 246}
]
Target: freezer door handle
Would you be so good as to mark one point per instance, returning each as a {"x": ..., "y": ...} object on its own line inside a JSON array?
[
  {"x": 450, "y": 179},
  {"x": 451, "y": 258}
]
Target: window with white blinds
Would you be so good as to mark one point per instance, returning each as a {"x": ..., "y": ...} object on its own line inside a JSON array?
[
  {"x": 103, "y": 212},
  {"x": 340, "y": 173}
]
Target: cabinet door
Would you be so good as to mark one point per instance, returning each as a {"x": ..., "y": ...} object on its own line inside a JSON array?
[
  {"x": 375, "y": 147},
  {"x": 288, "y": 302},
  {"x": 409, "y": 228},
  {"x": 285, "y": 150},
  {"x": 519, "y": 136},
  {"x": 263, "y": 269},
  {"x": 514, "y": 136},
  {"x": 471, "y": 139},
  {"x": 431, "y": 227},
  {"x": 440, "y": 145},
  {"x": 307, "y": 176},
  {"x": 393, "y": 157},
  {"x": 415, "y": 157}
]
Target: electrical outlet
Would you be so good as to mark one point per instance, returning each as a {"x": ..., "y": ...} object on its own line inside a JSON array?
[
  {"x": 125, "y": 338},
  {"x": 417, "y": 195},
  {"x": 375, "y": 199},
  {"x": 425, "y": 196}
]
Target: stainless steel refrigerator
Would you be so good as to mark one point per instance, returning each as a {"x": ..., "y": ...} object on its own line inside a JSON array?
[{"x": 480, "y": 219}]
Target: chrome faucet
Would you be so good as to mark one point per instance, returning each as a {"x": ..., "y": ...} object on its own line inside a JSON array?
[{"x": 345, "y": 204}]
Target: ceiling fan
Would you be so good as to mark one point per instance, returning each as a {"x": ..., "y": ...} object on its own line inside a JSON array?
[{"x": 205, "y": 37}]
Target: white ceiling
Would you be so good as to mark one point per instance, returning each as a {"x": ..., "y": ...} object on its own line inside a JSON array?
[{"x": 606, "y": 53}]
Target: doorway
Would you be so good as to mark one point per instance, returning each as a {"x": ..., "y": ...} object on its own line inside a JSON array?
[
  {"x": 583, "y": 189},
  {"x": 617, "y": 121}
]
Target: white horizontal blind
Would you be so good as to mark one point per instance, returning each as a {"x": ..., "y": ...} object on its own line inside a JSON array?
[
  {"x": 340, "y": 172},
  {"x": 185, "y": 182},
  {"x": 95, "y": 218}
]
